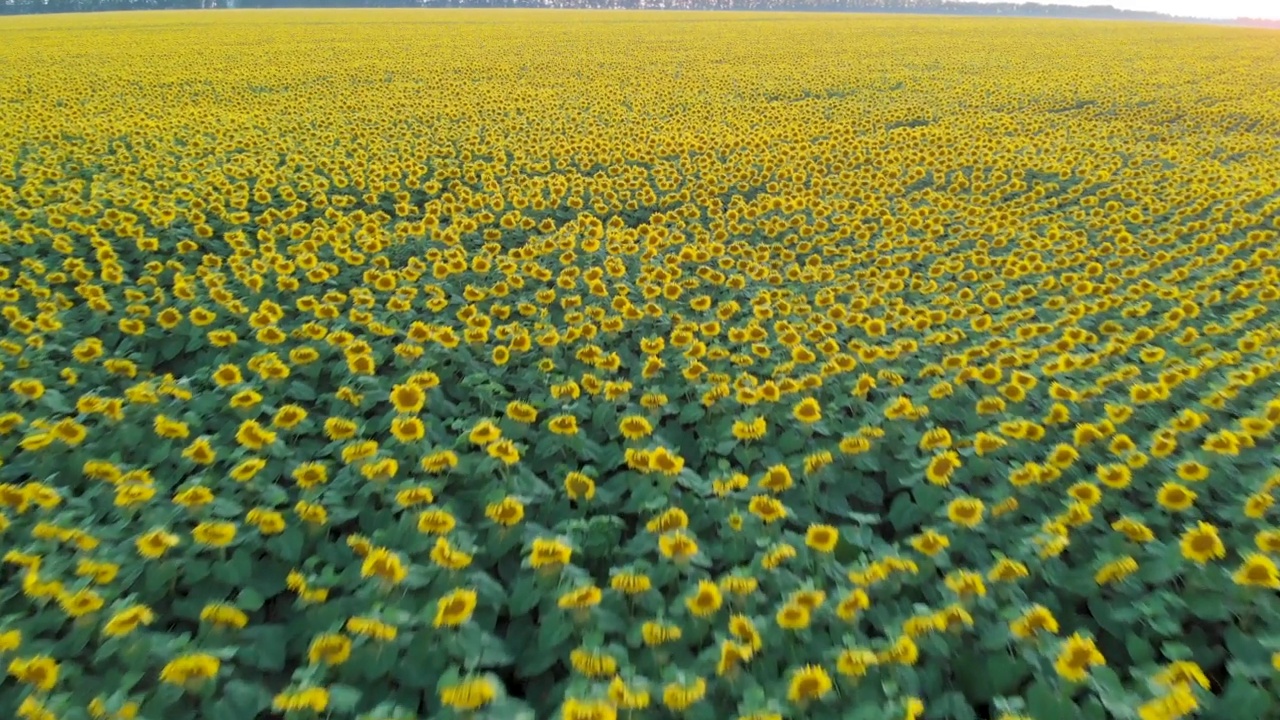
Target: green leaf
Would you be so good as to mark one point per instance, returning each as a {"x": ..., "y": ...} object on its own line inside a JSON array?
[
  {"x": 904, "y": 514},
  {"x": 244, "y": 699},
  {"x": 1109, "y": 690},
  {"x": 988, "y": 674},
  {"x": 553, "y": 630},
  {"x": 691, "y": 413},
  {"x": 343, "y": 699},
  {"x": 1243, "y": 699},
  {"x": 953, "y": 705},
  {"x": 1175, "y": 651},
  {"x": 237, "y": 569},
  {"x": 485, "y": 650},
  {"x": 1248, "y": 652},
  {"x": 1207, "y": 605},
  {"x": 158, "y": 576},
  {"x": 868, "y": 490},
  {"x": 249, "y": 599},
  {"x": 288, "y": 545},
  {"x": 1045, "y": 703},
  {"x": 1140, "y": 651},
  {"x": 301, "y": 391},
  {"x": 57, "y": 402},
  {"x": 269, "y": 647},
  {"x": 170, "y": 348},
  {"x": 160, "y": 700},
  {"x": 523, "y": 595}
]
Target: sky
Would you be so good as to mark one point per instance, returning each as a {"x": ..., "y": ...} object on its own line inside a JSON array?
[{"x": 1269, "y": 9}]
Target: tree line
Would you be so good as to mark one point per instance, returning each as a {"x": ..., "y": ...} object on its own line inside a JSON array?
[{"x": 950, "y": 7}]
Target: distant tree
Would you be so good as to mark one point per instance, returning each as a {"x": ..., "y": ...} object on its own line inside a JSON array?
[{"x": 950, "y": 7}]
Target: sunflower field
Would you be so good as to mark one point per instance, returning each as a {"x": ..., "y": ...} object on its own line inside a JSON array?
[{"x": 522, "y": 365}]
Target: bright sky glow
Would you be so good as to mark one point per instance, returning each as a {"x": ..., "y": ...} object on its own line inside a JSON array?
[{"x": 1268, "y": 9}]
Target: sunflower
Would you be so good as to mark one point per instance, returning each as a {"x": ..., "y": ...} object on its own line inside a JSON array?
[
  {"x": 455, "y": 608},
  {"x": 655, "y": 633},
  {"x": 942, "y": 467},
  {"x": 706, "y": 599},
  {"x": 965, "y": 512},
  {"x": 732, "y": 656},
  {"x": 776, "y": 479},
  {"x": 579, "y": 486},
  {"x": 965, "y": 583},
  {"x": 170, "y": 429},
  {"x": 929, "y": 542},
  {"x": 793, "y": 616},
  {"x": 309, "y": 475},
  {"x": 253, "y": 436},
  {"x": 1192, "y": 471},
  {"x": 1007, "y": 570},
  {"x": 807, "y": 684},
  {"x": 1223, "y": 442},
  {"x": 1085, "y": 493},
  {"x": 521, "y": 412},
  {"x": 749, "y": 430},
  {"x": 1063, "y": 456},
  {"x": 1076, "y": 656},
  {"x": 408, "y": 429},
  {"x": 1178, "y": 702},
  {"x": 413, "y": 496},
  {"x": 289, "y": 417},
  {"x": 1035, "y": 620},
  {"x": 1114, "y": 476},
  {"x": 214, "y": 534},
  {"x": 224, "y": 616},
  {"x": 822, "y": 538},
  {"x": 384, "y": 565},
  {"x": 121, "y": 623},
  {"x": 469, "y": 694},
  {"x": 563, "y": 425},
  {"x": 903, "y": 651},
  {"x": 329, "y": 649},
  {"x": 935, "y": 439},
  {"x": 807, "y": 411},
  {"x": 439, "y": 462},
  {"x": 190, "y": 669},
  {"x": 634, "y": 427},
  {"x": 438, "y": 522},
  {"x": 407, "y": 398},
  {"x": 1268, "y": 541},
  {"x": 1175, "y": 497},
  {"x": 665, "y": 461},
  {"x": 627, "y": 696},
  {"x": 680, "y": 696},
  {"x": 580, "y": 598},
  {"x": 153, "y": 544},
  {"x": 1257, "y": 505},
  {"x": 38, "y": 671},
  {"x": 1115, "y": 571},
  {"x": 443, "y": 554},
  {"x": 768, "y": 508},
  {"x": 630, "y": 583},
  {"x": 311, "y": 513},
  {"x": 504, "y": 451},
  {"x": 776, "y": 555},
  {"x": 371, "y": 628},
  {"x": 1257, "y": 570},
  {"x": 268, "y": 522},
  {"x": 312, "y": 700},
  {"x": 484, "y": 433},
  {"x": 1182, "y": 672},
  {"x": 854, "y": 445},
  {"x": 1201, "y": 544}
]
